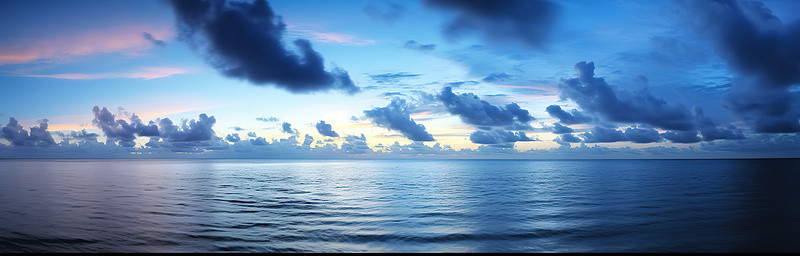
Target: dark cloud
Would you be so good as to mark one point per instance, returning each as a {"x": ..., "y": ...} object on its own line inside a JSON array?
[
  {"x": 575, "y": 117},
  {"x": 384, "y": 11},
  {"x": 498, "y": 137},
  {"x": 561, "y": 129},
  {"x": 497, "y": 77},
  {"x": 233, "y": 137},
  {"x": 565, "y": 139},
  {"x": 287, "y": 128},
  {"x": 391, "y": 78},
  {"x": 243, "y": 40},
  {"x": 326, "y": 129},
  {"x": 765, "y": 54},
  {"x": 396, "y": 116},
  {"x": 642, "y": 135},
  {"x": 711, "y": 131},
  {"x": 525, "y": 21},
  {"x": 681, "y": 136},
  {"x": 424, "y": 48},
  {"x": 39, "y": 136},
  {"x": 594, "y": 95},
  {"x": 634, "y": 134},
  {"x": 473, "y": 110},
  {"x": 82, "y": 135},
  {"x": 149, "y": 37},
  {"x": 190, "y": 135}
]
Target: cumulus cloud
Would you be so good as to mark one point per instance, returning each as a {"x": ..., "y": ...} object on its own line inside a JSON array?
[
  {"x": 243, "y": 40},
  {"x": 424, "y": 48},
  {"x": 472, "y": 110},
  {"x": 121, "y": 131},
  {"x": 397, "y": 117},
  {"x": 596, "y": 96},
  {"x": 498, "y": 137},
  {"x": 681, "y": 136},
  {"x": 355, "y": 145},
  {"x": 566, "y": 139},
  {"x": 525, "y": 21},
  {"x": 268, "y": 119},
  {"x": 252, "y": 134},
  {"x": 190, "y": 135},
  {"x": 18, "y": 136},
  {"x": 763, "y": 52},
  {"x": 308, "y": 140},
  {"x": 561, "y": 129},
  {"x": 233, "y": 137},
  {"x": 572, "y": 117},
  {"x": 600, "y": 134},
  {"x": 326, "y": 129},
  {"x": 287, "y": 128}
]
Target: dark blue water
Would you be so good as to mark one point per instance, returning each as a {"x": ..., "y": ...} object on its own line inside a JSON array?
[{"x": 400, "y": 206}]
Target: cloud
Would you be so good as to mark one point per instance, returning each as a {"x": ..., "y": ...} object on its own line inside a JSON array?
[
  {"x": 355, "y": 145},
  {"x": 566, "y": 139},
  {"x": 233, "y": 137},
  {"x": 237, "y": 128},
  {"x": 150, "y": 38},
  {"x": 287, "y": 128},
  {"x": 634, "y": 134},
  {"x": 326, "y": 129},
  {"x": 82, "y": 136},
  {"x": 472, "y": 110},
  {"x": 497, "y": 77},
  {"x": 121, "y": 131},
  {"x": 711, "y": 131},
  {"x": 575, "y": 117},
  {"x": 268, "y": 119},
  {"x": 498, "y": 137},
  {"x": 144, "y": 73},
  {"x": 252, "y": 134},
  {"x": 190, "y": 135},
  {"x": 384, "y": 11},
  {"x": 391, "y": 78},
  {"x": 243, "y": 40},
  {"x": 424, "y": 48},
  {"x": 681, "y": 136},
  {"x": 308, "y": 140},
  {"x": 763, "y": 52},
  {"x": 525, "y": 21},
  {"x": 396, "y": 116},
  {"x": 39, "y": 136},
  {"x": 561, "y": 129},
  {"x": 594, "y": 95}
]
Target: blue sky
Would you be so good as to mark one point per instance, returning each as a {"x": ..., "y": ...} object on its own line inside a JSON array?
[{"x": 398, "y": 79}]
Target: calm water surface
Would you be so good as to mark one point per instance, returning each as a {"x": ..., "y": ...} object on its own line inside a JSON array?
[{"x": 399, "y": 206}]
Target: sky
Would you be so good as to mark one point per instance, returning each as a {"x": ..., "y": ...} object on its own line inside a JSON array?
[{"x": 532, "y": 79}]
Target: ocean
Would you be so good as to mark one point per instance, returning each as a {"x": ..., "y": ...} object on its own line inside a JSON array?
[{"x": 399, "y": 205}]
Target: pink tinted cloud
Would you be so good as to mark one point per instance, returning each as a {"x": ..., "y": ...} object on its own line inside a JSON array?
[
  {"x": 125, "y": 39},
  {"x": 339, "y": 38},
  {"x": 145, "y": 73}
]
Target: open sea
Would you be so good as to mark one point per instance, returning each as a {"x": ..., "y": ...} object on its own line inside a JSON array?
[{"x": 399, "y": 205}]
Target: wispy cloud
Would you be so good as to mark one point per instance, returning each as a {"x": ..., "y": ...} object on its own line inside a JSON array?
[
  {"x": 144, "y": 73},
  {"x": 124, "y": 39}
]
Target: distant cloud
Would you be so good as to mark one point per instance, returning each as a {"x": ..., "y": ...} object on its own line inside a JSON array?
[
  {"x": 385, "y": 11},
  {"x": 39, "y": 136},
  {"x": 498, "y": 137},
  {"x": 561, "y": 129},
  {"x": 244, "y": 40},
  {"x": 396, "y": 117},
  {"x": 525, "y": 21},
  {"x": 190, "y": 135},
  {"x": 681, "y": 136},
  {"x": 475, "y": 111},
  {"x": 497, "y": 77},
  {"x": 252, "y": 134},
  {"x": 268, "y": 119},
  {"x": 233, "y": 137},
  {"x": 326, "y": 130},
  {"x": 424, "y": 48},
  {"x": 391, "y": 78}
]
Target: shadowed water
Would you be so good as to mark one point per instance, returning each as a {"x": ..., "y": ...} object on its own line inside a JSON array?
[{"x": 399, "y": 206}]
